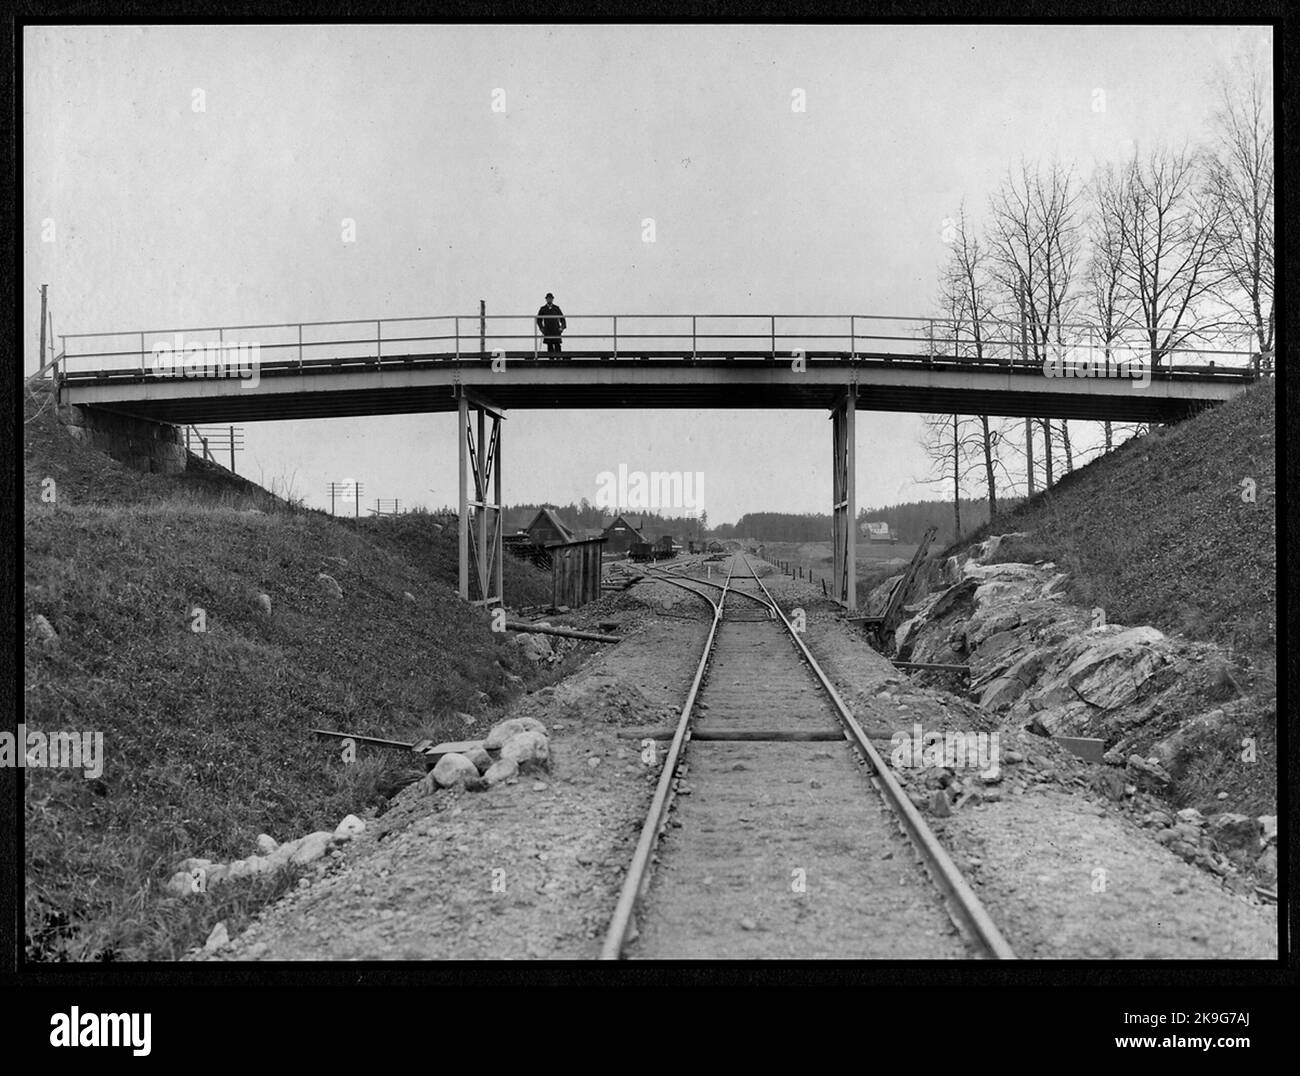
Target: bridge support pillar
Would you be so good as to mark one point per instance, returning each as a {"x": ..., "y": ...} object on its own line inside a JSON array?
[
  {"x": 844, "y": 513},
  {"x": 478, "y": 431}
]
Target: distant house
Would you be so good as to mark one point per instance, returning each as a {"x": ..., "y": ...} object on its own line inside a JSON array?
[
  {"x": 620, "y": 536},
  {"x": 549, "y": 529},
  {"x": 878, "y": 532}
]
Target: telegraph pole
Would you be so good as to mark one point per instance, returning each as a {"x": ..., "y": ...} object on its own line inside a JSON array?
[{"x": 41, "y": 361}]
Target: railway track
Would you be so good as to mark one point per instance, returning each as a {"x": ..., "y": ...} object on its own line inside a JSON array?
[{"x": 776, "y": 829}]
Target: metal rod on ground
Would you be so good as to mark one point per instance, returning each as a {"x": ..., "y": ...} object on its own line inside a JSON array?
[{"x": 567, "y": 633}]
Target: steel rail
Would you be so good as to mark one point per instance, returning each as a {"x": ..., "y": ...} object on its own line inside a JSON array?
[
  {"x": 709, "y": 583},
  {"x": 964, "y": 906},
  {"x": 638, "y": 874}
]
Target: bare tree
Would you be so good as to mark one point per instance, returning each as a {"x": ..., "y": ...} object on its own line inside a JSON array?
[
  {"x": 966, "y": 294},
  {"x": 1035, "y": 241},
  {"x": 1168, "y": 226},
  {"x": 1241, "y": 180}
]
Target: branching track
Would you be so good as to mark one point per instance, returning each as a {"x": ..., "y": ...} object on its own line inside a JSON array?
[{"x": 814, "y": 866}]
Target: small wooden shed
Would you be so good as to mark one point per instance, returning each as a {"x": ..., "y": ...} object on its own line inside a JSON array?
[{"x": 575, "y": 572}]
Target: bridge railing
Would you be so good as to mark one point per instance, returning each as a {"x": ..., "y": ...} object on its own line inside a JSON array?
[{"x": 615, "y": 337}]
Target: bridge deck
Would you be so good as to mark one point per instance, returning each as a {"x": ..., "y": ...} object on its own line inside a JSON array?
[{"x": 432, "y": 382}]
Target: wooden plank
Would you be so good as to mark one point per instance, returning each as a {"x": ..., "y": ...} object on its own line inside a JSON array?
[{"x": 932, "y": 666}]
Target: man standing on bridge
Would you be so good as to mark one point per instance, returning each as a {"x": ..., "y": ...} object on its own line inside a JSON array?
[{"x": 551, "y": 322}]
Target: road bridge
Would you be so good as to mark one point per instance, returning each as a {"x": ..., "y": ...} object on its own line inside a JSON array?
[{"x": 481, "y": 367}]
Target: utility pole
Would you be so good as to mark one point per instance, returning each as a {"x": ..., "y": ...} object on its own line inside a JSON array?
[
  {"x": 482, "y": 329},
  {"x": 41, "y": 360}
]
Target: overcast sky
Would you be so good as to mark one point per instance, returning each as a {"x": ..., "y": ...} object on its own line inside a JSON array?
[{"x": 165, "y": 216}]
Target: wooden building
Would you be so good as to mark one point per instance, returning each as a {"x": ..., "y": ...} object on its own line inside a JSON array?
[
  {"x": 575, "y": 572},
  {"x": 549, "y": 529},
  {"x": 620, "y": 536}
]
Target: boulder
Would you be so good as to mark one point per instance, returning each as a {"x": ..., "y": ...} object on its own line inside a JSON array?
[
  {"x": 481, "y": 759},
  {"x": 240, "y": 868},
  {"x": 180, "y": 884},
  {"x": 501, "y": 732},
  {"x": 534, "y": 646},
  {"x": 452, "y": 770},
  {"x": 1266, "y": 865},
  {"x": 1235, "y": 832},
  {"x": 527, "y": 748},
  {"x": 264, "y": 603},
  {"x": 350, "y": 827},
  {"x": 283, "y": 853},
  {"x": 504, "y": 730},
  {"x": 266, "y": 844},
  {"x": 501, "y": 770},
  {"x": 218, "y": 939},
  {"x": 1172, "y": 752},
  {"x": 312, "y": 848},
  {"x": 329, "y": 585}
]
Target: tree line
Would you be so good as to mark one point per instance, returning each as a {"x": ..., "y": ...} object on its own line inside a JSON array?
[{"x": 1163, "y": 259}]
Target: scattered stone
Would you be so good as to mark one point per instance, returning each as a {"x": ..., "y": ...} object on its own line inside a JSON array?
[
  {"x": 1013, "y": 756},
  {"x": 264, "y": 603},
  {"x": 329, "y": 585},
  {"x": 939, "y": 805},
  {"x": 468, "y": 719},
  {"x": 218, "y": 939},
  {"x": 1190, "y": 814},
  {"x": 992, "y": 776},
  {"x": 266, "y": 844},
  {"x": 540, "y": 786},
  {"x": 45, "y": 633},
  {"x": 408, "y": 596},
  {"x": 593, "y": 762},
  {"x": 746, "y": 923},
  {"x": 452, "y": 770},
  {"x": 1267, "y": 828}
]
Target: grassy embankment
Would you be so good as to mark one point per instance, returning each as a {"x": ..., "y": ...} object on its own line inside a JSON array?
[{"x": 205, "y": 733}]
